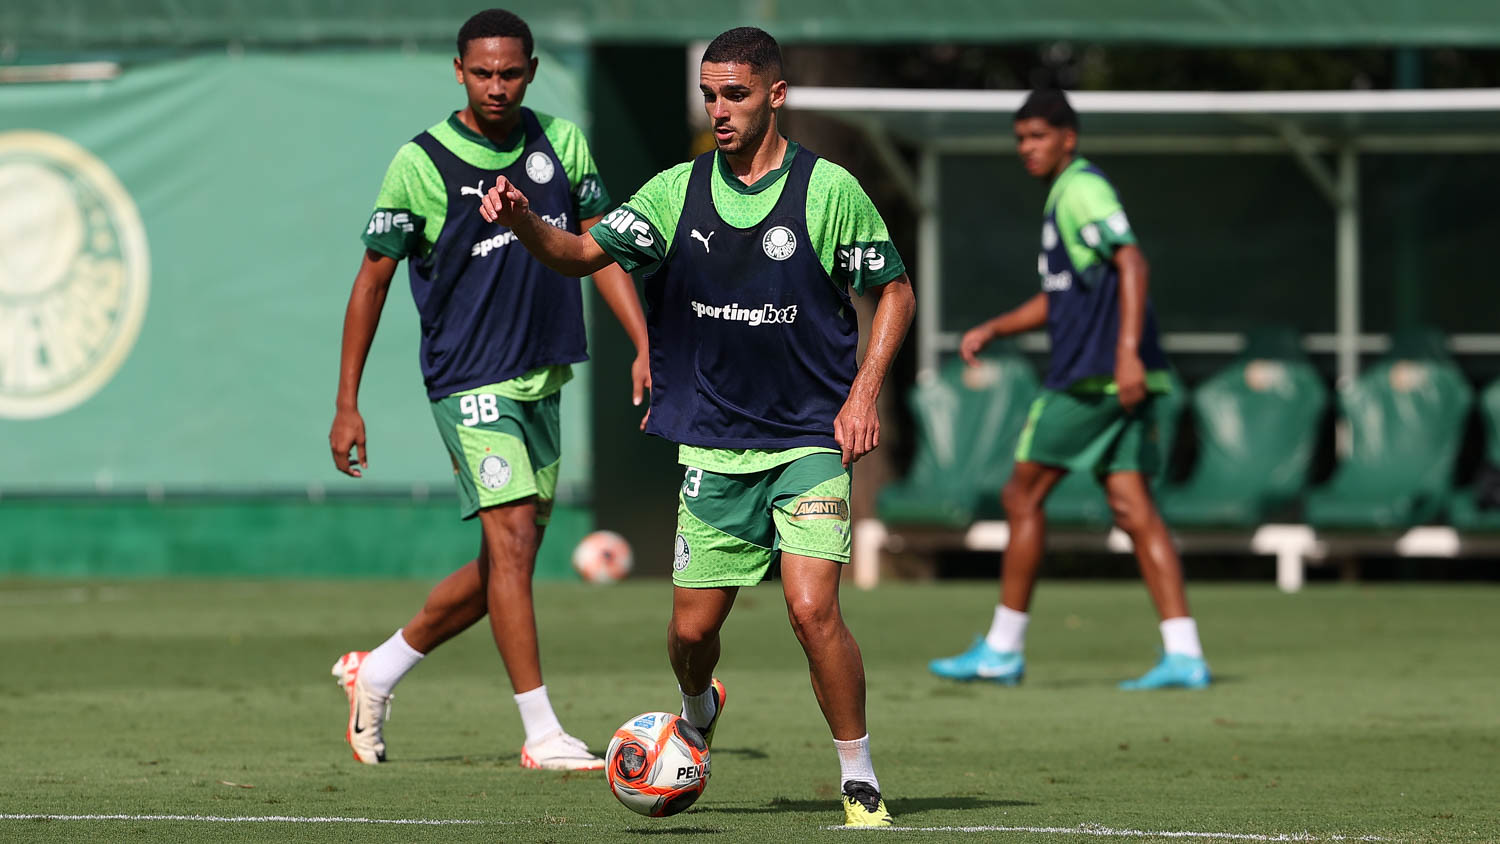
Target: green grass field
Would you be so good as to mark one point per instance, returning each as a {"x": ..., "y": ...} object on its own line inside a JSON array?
[{"x": 1345, "y": 710}]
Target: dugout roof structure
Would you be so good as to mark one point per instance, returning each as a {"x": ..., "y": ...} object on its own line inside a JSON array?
[
  {"x": 32, "y": 25},
  {"x": 1325, "y": 131}
]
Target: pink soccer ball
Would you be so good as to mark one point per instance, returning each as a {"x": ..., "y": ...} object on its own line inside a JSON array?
[{"x": 602, "y": 557}]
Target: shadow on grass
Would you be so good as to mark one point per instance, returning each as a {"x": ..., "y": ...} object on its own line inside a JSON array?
[
  {"x": 673, "y": 830},
  {"x": 906, "y": 806},
  {"x": 742, "y": 752},
  {"x": 975, "y": 688}
]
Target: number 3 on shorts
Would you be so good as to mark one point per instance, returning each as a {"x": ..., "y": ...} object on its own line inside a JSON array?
[
  {"x": 691, "y": 482},
  {"x": 479, "y": 408}
]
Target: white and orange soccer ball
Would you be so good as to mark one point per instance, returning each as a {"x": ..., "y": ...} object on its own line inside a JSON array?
[
  {"x": 602, "y": 557},
  {"x": 657, "y": 764}
]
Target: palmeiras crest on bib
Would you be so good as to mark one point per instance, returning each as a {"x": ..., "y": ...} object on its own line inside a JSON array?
[
  {"x": 494, "y": 472},
  {"x": 74, "y": 274},
  {"x": 539, "y": 167},
  {"x": 779, "y": 243}
]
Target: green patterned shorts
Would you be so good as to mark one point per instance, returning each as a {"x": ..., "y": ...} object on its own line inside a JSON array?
[
  {"x": 1090, "y": 432},
  {"x": 730, "y": 526},
  {"x": 503, "y": 450}
]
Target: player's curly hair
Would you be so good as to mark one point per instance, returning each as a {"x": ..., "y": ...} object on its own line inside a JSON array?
[
  {"x": 749, "y": 45},
  {"x": 1051, "y": 105},
  {"x": 495, "y": 23}
]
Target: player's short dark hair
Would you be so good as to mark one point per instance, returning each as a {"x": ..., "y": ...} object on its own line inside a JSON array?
[
  {"x": 1051, "y": 105},
  {"x": 748, "y": 45},
  {"x": 495, "y": 23}
]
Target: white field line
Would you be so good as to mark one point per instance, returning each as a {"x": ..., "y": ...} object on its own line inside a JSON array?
[
  {"x": 254, "y": 819},
  {"x": 1099, "y": 831}
]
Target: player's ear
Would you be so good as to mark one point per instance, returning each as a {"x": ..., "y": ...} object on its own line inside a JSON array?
[
  {"x": 1070, "y": 140},
  {"x": 458, "y": 69},
  {"x": 778, "y": 93},
  {"x": 531, "y": 74}
]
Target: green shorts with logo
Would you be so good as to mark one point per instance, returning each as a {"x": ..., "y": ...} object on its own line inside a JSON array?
[
  {"x": 730, "y": 526},
  {"x": 1090, "y": 432},
  {"x": 503, "y": 449}
]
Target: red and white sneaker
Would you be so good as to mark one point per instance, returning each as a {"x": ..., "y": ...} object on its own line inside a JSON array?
[
  {"x": 367, "y": 710},
  {"x": 559, "y": 752}
]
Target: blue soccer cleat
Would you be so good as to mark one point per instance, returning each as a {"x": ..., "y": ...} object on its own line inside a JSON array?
[
  {"x": 1174, "y": 671},
  {"x": 982, "y": 662}
]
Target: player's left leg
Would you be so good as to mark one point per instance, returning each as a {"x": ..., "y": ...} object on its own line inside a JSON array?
[
  {"x": 811, "y": 586},
  {"x": 1182, "y": 664},
  {"x": 810, "y": 508}
]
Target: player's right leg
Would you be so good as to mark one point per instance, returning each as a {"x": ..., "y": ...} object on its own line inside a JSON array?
[
  {"x": 998, "y": 656},
  {"x": 723, "y": 542},
  {"x": 369, "y": 678}
]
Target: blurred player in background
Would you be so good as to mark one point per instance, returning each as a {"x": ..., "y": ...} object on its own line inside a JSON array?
[
  {"x": 751, "y": 252},
  {"x": 1094, "y": 412},
  {"x": 499, "y": 332}
]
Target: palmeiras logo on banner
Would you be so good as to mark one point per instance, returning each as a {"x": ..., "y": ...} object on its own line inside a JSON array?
[{"x": 74, "y": 274}]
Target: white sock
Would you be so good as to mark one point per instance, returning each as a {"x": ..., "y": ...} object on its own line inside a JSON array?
[
  {"x": 1180, "y": 636},
  {"x": 854, "y": 762},
  {"x": 699, "y": 709},
  {"x": 387, "y": 664},
  {"x": 1008, "y": 630},
  {"x": 536, "y": 714}
]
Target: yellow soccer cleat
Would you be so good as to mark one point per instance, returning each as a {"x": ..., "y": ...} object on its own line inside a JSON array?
[
  {"x": 863, "y": 806},
  {"x": 721, "y": 696}
]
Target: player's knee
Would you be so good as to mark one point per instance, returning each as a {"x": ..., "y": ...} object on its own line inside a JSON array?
[
  {"x": 1020, "y": 501},
  {"x": 811, "y": 618},
  {"x": 688, "y": 633},
  {"x": 1130, "y": 514}
]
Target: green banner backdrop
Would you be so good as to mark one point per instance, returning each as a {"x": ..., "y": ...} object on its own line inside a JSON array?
[{"x": 178, "y": 248}]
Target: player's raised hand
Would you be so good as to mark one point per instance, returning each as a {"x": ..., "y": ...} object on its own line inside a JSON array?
[
  {"x": 348, "y": 434},
  {"x": 504, "y": 203},
  {"x": 973, "y": 342},
  {"x": 856, "y": 429}
]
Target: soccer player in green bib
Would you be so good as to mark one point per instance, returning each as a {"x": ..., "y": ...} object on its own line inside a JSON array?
[
  {"x": 750, "y": 254},
  {"x": 1093, "y": 414},
  {"x": 499, "y": 334}
]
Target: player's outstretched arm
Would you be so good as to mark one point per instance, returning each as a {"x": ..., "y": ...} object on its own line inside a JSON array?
[
  {"x": 1130, "y": 373},
  {"x": 857, "y": 427},
  {"x": 361, "y": 317},
  {"x": 618, "y": 290},
  {"x": 1031, "y": 315},
  {"x": 564, "y": 252}
]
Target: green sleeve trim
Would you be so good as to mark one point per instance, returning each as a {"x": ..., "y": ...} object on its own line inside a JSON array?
[
  {"x": 743, "y": 461},
  {"x": 628, "y": 237},
  {"x": 848, "y": 233},
  {"x": 868, "y": 264},
  {"x": 1157, "y": 381},
  {"x": 638, "y": 234},
  {"x": 395, "y": 233}
]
